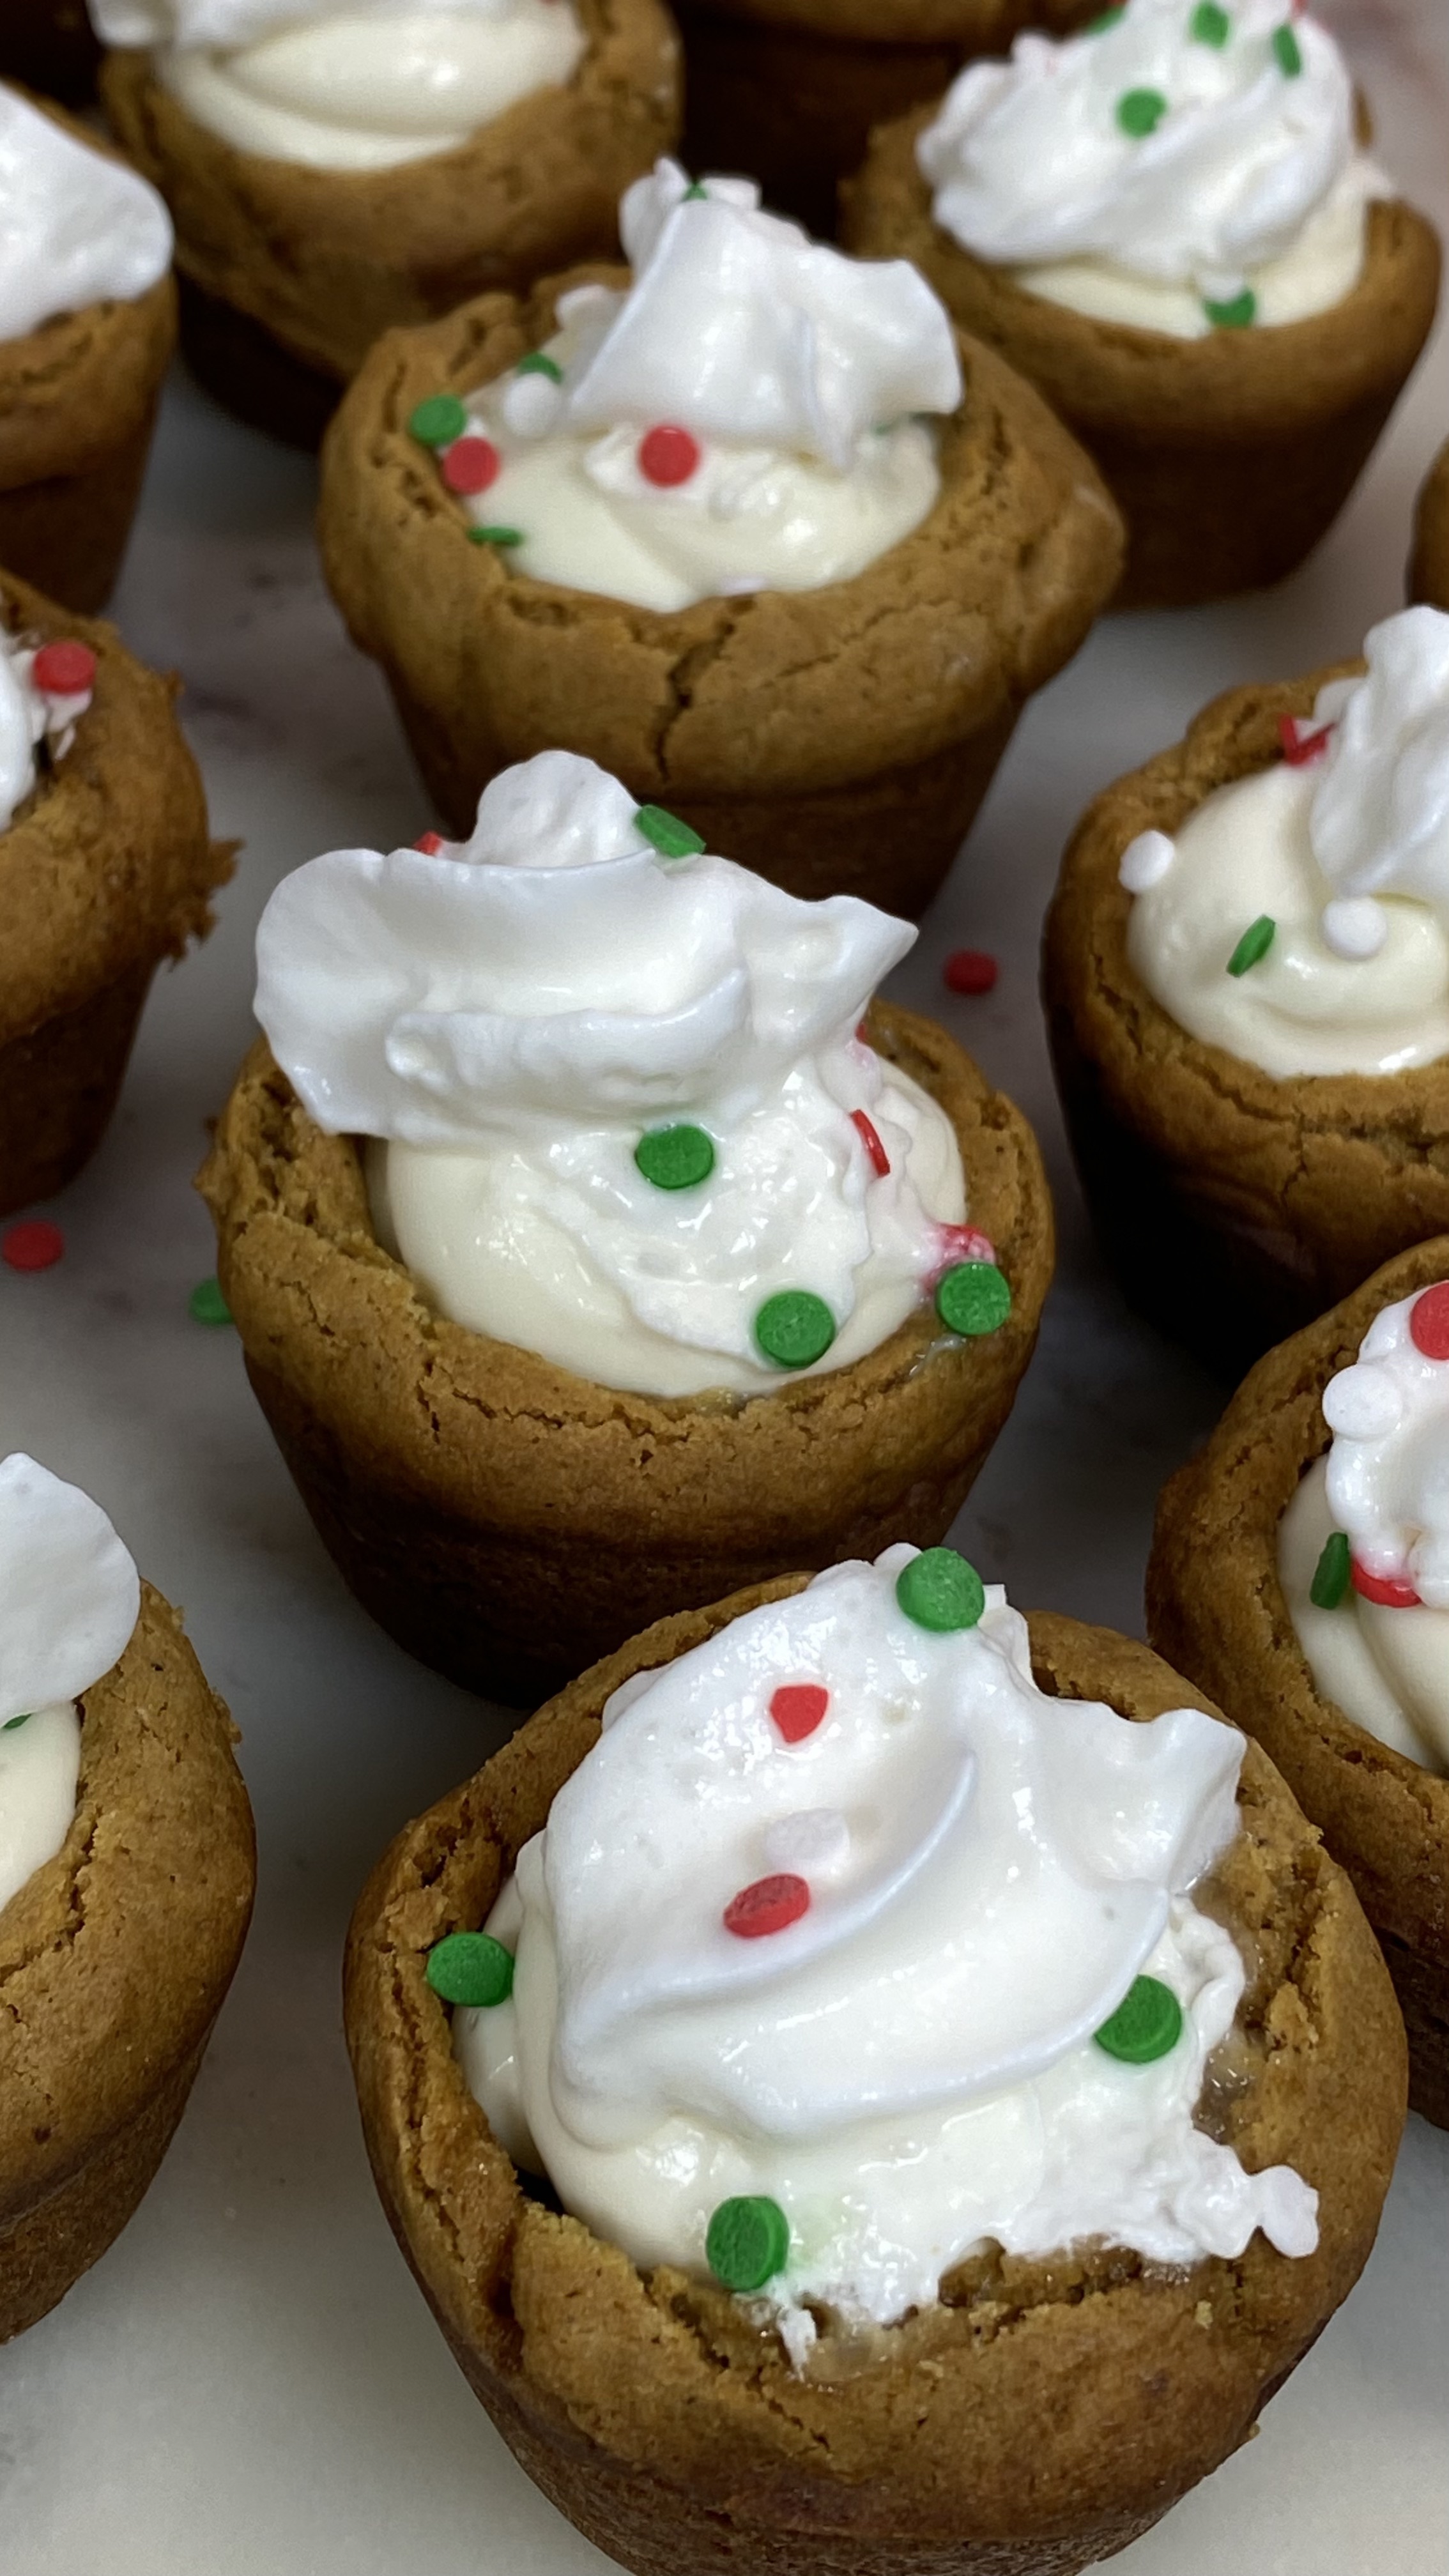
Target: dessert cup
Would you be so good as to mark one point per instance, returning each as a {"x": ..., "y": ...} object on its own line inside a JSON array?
[
  {"x": 507, "y": 1521},
  {"x": 106, "y": 869},
  {"x": 1002, "y": 2429},
  {"x": 837, "y": 740},
  {"x": 1429, "y": 563},
  {"x": 1216, "y": 1606}
]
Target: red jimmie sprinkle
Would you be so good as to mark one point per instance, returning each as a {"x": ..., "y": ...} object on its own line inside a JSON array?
[
  {"x": 962, "y": 1243},
  {"x": 1301, "y": 748},
  {"x": 1429, "y": 1322},
  {"x": 797, "y": 1709},
  {"x": 471, "y": 464},
  {"x": 429, "y": 843},
  {"x": 1383, "y": 1588},
  {"x": 668, "y": 455},
  {"x": 862, "y": 1034},
  {"x": 970, "y": 970},
  {"x": 871, "y": 1141},
  {"x": 64, "y": 670},
  {"x": 771, "y": 1905},
  {"x": 35, "y": 1244}
]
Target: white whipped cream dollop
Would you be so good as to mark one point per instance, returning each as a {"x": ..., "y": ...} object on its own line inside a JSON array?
[
  {"x": 29, "y": 716},
  {"x": 349, "y": 84},
  {"x": 76, "y": 227},
  {"x": 1179, "y": 168},
  {"x": 1343, "y": 848},
  {"x": 69, "y": 1597},
  {"x": 747, "y": 416},
  {"x": 908, "y": 2066},
  {"x": 512, "y": 1015}
]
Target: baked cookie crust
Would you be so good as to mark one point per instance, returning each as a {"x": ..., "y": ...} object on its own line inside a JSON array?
[{"x": 1429, "y": 563}]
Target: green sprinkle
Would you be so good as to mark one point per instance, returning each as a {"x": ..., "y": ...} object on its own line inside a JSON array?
[
  {"x": 1146, "y": 2024},
  {"x": 23, "y": 1719},
  {"x": 940, "y": 1591},
  {"x": 698, "y": 190},
  {"x": 438, "y": 421},
  {"x": 495, "y": 536},
  {"x": 1210, "y": 25},
  {"x": 470, "y": 1968},
  {"x": 1255, "y": 943},
  {"x": 1331, "y": 1577},
  {"x": 972, "y": 1297},
  {"x": 1109, "y": 18},
  {"x": 675, "y": 1158},
  {"x": 748, "y": 2242},
  {"x": 1239, "y": 315},
  {"x": 671, "y": 838},
  {"x": 1140, "y": 112},
  {"x": 539, "y": 363},
  {"x": 795, "y": 1328},
  {"x": 206, "y": 1304},
  {"x": 1288, "y": 51}
]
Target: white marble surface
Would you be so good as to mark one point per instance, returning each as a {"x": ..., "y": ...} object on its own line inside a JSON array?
[{"x": 249, "y": 2384}]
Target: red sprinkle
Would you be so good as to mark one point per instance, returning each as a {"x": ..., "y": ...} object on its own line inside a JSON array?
[
  {"x": 1301, "y": 748},
  {"x": 971, "y": 970},
  {"x": 1383, "y": 1588},
  {"x": 962, "y": 1243},
  {"x": 471, "y": 464},
  {"x": 871, "y": 1141},
  {"x": 668, "y": 455},
  {"x": 35, "y": 1244},
  {"x": 429, "y": 843},
  {"x": 797, "y": 1709},
  {"x": 1429, "y": 1322},
  {"x": 64, "y": 670},
  {"x": 770, "y": 1905},
  {"x": 863, "y": 1036}
]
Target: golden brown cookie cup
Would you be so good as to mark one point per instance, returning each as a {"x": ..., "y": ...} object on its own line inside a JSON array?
[
  {"x": 1232, "y": 1206},
  {"x": 836, "y": 740},
  {"x": 1038, "y": 2419},
  {"x": 106, "y": 868},
  {"x": 1229, "y": 457},
  {"x": 115, "y": 1957},
  {"x": 1429, "y": 563},
  {"x": 317, "y": 263},
  {"x": 50, "y": 45},
  {"x": 1216, "y": 1607},
  {"x": 507, "y": 1521}
]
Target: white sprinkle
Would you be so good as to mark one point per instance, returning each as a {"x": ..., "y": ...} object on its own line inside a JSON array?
[
  {"x": 1355, "y": 926},
  {"x": 1362, "y": 1403},
  {"x": 531, "y": 404},
  {"x": 1145, "y": 861}
]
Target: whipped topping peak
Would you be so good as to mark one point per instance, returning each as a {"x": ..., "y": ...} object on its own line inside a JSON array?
[
  {"x": 76, "y": 227},
  {"x": 1388, "y": 1467},
  {"x": 69, "y": 1592},
  {"x": 1380, "y": 817}
]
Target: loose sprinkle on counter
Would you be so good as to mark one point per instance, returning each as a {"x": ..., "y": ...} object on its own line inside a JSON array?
[
  {"x": 675, "y": 1158},
  {"x": 470, "y": 1968},
  {"x": 797, "y": 1708},
  {"x": 1429, "y": 1322},
  {"x": 973, "y": 1298},
  {"x": 1332, "y": 1574},
  {"x": 767, "y": 1906},
  {"x": 438, "y": 421},
  {"x": 794, "y": 1328},
  {"x": 668, "y": 455},
  {"x": 206, "y": 1304},
  {"x": 1146, "y": 2024},
  {"x": 64, "y": 669},
  {"x": 747, "y": 2242},
  {"x": 34, "y": 1244},
  {"x": 939, "y": 1590},
  {"x": 470, "y": 465},
  {"x": 671, "y": 838},
  {"x": 970, "y": 970},
  {"x": 870, "y": 1139},
  {"x": 1254, "y": 945}
]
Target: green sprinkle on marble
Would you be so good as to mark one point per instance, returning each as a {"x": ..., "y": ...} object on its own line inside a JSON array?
[{"x": 206, "y": 1304}]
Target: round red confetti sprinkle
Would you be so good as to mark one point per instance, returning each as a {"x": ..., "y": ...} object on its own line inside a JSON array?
[
  {"x": 771, "y": 1905},
  {"x": 797, "y": 1709},
  {"x": 963, "y": 1243},
  {"x": 862, "y": 1034},
  {"x": 1301, "y": 748},
  {"x": 471, "y": 464},
  {"x": 871, "y": 1141},
  {"x": 1383, "y": 1588},
  {"x": 668, "y": 455},
  {"x": 429, "y": 843},
  {"x": 971, "y": 970},
  {"x": 1429, "y": 1322},
  {"x": 64, "y": 670},
  {"x": 34, "y": 1245}
]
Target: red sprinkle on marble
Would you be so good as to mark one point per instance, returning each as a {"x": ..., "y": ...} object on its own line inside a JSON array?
[
  {"x": 34, "y": 1244},
  {"x": 770, "y": 1905},
  {"x": 871, "y": 1141},
  {"x": 797, "y": 1709},
  {"x": 471, "y": 464},
  {"x": 668, "y": 455},
  {"x": 429, "y": 843},
  {"x": 970, "y": 970},
  {"x": 64, "y": 670},
  {"x": 961, "y": 1243},
  {"x": 1301, "y": 748},
  {"x": 1383, "y": 1588},
  {"x": 1429, "y": 1322}
]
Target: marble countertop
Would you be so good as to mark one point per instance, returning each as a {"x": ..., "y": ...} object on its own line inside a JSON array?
[{"x": 249, "y": 2384}]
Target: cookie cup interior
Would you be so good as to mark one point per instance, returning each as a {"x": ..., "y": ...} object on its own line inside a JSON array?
[
  {"x": 1229, "y": 456},
  {"x": 1216, "y": 1607},
  {"x": 836, "y": 740},
  {"x": 508, "y": 1522},
  {"x": 114, "y": 1960},
  {"x": 1429, "y": 563},
  {"x": 1039, "y": 2418}
]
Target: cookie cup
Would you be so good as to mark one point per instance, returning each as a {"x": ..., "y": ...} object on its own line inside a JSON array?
[
  {"x": 106, "y": 868},
  {"x": 1429, "y": 562},
  {"x": 1232, "y": 1206},
  {"x": 506, "y": 1521},
  {"x": 1046, "y": 2412},
  {"x": 50, "y": 45},
  {"x": 836, "y": 740},
  {"x": 1216, "y": 1607},
  {"x": 291, "y": 273},
  {"x": 115, "y": 1957},
  {"x": 1230, "y": 456}
]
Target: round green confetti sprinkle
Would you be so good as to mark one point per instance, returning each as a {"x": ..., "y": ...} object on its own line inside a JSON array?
[
  {"x": 495, "y": 536},
  {"x": 1210, "y": 25},
  {"x": 795, "y": 1328},
  {"x": 1331, "y": 1575},
  {"x": 438, "y": 421},
  {"x": 11, "y": 1723},
  {"x": 697, "y": 190},
  {"x": 1238, "y": 315},
  {"x": 941, "y": 1591},
  {"x": 972, "y": 1297},
  {"x": 539, "y": 363},
  {"x": 748, "y": 2242},
  {"x": 1146, "y": 2024},
  {"x": 206, "y": 1304},
  {"x": 671, "y": 838},
  {"x": 1288, "y": 51},
  {"x": 1140, "y": 112},
  {"x": 470, "y": 1968},
  {"x": 1254, "y": 945},
  {"x": 675, "y": 1158}
]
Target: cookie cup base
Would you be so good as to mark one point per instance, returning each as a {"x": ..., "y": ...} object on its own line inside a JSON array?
[
  {"x": 58, "y": 1087},
  {"x": 252, "y": 374},
  {"x": 66, "y": 534},
  {"x": 1429, "y": 562}
]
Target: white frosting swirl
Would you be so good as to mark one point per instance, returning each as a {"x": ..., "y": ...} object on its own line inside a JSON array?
[
  {"x": 513, "y": 1013},
  {"x": 909, "y": 2066},
  {"x": 796, "y": 373},
  {"x": 76, "y": 227},
  {"x": 69, "y": 1598},
  {"x": 28, "y": 717},
  {"x": 1176, "y": 159}
]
